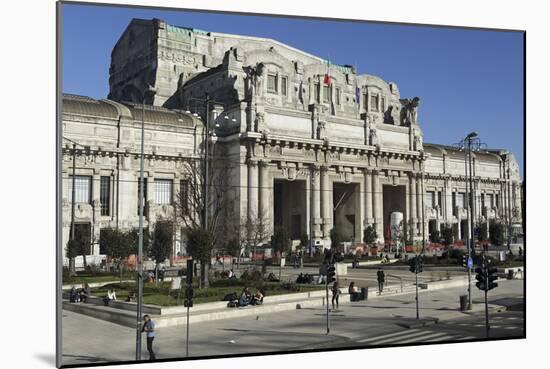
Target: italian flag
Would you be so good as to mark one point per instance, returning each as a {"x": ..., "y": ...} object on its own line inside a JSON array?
[{"x": 327, "y": 80}]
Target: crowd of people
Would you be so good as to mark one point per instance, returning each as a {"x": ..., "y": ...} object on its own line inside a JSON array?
[
  {"x": 80, "y": 295},
  {"x": 247, "y": 298}
]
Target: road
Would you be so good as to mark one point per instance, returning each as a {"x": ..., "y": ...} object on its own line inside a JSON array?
[{"x": 381, "y": 321}]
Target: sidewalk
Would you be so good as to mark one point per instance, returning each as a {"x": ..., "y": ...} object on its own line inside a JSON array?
[
  {"x": 85, "y": 339},
  {"x": 174, "y": 316}
]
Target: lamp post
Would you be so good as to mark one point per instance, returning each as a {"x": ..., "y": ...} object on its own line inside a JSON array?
[
  {"x": 208, "y": 136},
  {"x": 509, "y": 210},
  {"x": 466, "y": 144},
  {"x": 73, "y": 190},
  {"x": 139, "y": 277}
]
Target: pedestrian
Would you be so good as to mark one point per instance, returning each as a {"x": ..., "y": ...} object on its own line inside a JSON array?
[
  {"x": 380, "y": 276},
  {"x": 520, "y": 252},
  {"x": 335, "y": 294},
  {"x": 353, "y": 292},
  {"x": 149, "y": 329}
]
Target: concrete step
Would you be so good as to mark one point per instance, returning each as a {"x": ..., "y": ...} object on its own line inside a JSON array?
[{"x": 175, "y": 316}]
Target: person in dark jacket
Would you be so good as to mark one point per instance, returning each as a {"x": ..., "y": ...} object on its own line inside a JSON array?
[
  {"x": 381, "y": 277},
  {"x": 335, "y": 294}
]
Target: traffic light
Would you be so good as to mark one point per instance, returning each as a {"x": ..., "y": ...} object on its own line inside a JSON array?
[
  {"x": 331, "y": 274},
  {"x": 491, "y": 278},
  {"x": 481, "y": 277},
  {"x": 189, "y": 273},
  {"x": 412, "y": 265},
  {"x": 188, "y": 302},
  {"x": 465, "y": 260}
]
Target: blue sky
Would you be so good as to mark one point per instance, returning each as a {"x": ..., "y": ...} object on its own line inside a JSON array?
[{"x": 468, "y": 80}]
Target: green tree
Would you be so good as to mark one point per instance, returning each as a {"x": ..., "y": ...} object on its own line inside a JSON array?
[
  {"x": 447, "y": 235},
  {"x": 335, "y": 238},
  {"x": 482, "y": 232},
  {"x": 447, "y": 238},
  {"x": 369, "y": 235},
  {"x": 117, "y": 245},
  {"x": 80, "y": 245},
  {"x": 160, "y": 246},
  {"x": 233, "y": 246},
  {"x": 496, "y": 232},
  {"x": 280, "y": 241},
  {"x": 199, "y": 246}
]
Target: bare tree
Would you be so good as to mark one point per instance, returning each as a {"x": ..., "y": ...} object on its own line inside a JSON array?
[
  {"x": 254, "y": 231},
  {"x": 201, "y": 203}
]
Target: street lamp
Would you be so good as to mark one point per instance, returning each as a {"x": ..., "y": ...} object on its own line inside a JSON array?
[
  {"x": 208, "y": 136},
  {"x": 150, "y": 92},
  {"x": 471, "y": 141},
  {"x": 73, "y": 190}
]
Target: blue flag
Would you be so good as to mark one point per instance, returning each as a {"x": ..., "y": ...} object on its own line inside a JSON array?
[{"x": 357, "y": 95}]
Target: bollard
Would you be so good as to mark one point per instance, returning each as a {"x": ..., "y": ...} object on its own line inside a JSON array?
[
  {"x": 463, "y": 302},
  {"x": 364, "y": 293}
]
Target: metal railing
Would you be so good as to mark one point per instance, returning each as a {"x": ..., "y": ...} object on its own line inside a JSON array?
[{"x": 398, "y": 278}]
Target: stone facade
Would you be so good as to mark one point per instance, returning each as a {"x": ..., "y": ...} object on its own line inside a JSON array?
[
  {"x": 302, "y": 153},
  {"x": 108, "y": 161}
]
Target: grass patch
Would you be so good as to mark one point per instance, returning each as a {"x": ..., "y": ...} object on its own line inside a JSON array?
[
  {"x": 158, "y": 294},
  {"x": 81, "y": 277}
]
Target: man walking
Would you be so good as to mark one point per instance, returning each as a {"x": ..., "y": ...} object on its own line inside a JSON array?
[
  {"x": 149, "y": 328},
  {"x": 335, "y": 294},
  {"x": 381, "y": 278}
]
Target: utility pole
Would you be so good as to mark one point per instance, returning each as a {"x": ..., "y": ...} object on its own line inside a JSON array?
[{"x": 139, "y": 276}]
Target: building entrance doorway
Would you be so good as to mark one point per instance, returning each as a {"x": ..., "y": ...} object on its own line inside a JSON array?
[
  {"x": 347, "y": 221},
  {"x": 290, "y": 207}
]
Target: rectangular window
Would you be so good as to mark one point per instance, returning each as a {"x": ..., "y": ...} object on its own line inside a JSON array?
[
  {"x": 82, "y": 188},
  {"x": 272, "y": 83},
  {"x": 284, "y": 83},
  {"x": 105, "y": 195},
  {"x": 454, "y": 201},
  {"x": 374, "y": 103},
  {"x": 163, "y": 191},
  {"x": 489, "y": 201},
  {"x": 326, "y": 94},
  {"x": 430, "y": 198},
  {"x": 144, "y": 194},
  {"x": 316, "y": 92},
  {"x": 439, "y": 199},
  {"x": 337, "y": 96},
  {"x": 184, "y": 196},
  {"x": 365, "y": 100},
  {"x": 460, "y": 200},
  {"x": 383, "y": 104}
]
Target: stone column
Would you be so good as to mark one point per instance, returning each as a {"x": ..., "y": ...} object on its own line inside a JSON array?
[
  {"x": 419, "y": 194},
  {"x": 96, "y": 209},
  {"x": 448, "y": 200},
  {"x": 413, "y": 219},
  {"x": 458, "y": 227},
  {"x": 265, "y": 190},
  {"x": 252, "y": 188},
  {"x": 316, "y": 201},
  {"x": 377, "y": 204},
  {"x": 368, "y": 198},
  {"x": 326, "y": 192}
]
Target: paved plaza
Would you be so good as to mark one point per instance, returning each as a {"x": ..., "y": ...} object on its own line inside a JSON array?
[{"x": 383, "y": 321}]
